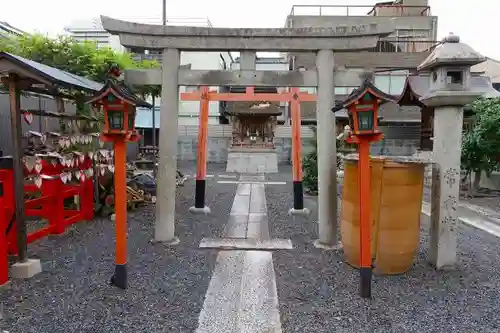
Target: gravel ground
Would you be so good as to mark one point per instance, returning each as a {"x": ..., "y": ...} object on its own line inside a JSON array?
[
  {"x": 167, "y": 285},
  {"x": 318, "y": 292}
]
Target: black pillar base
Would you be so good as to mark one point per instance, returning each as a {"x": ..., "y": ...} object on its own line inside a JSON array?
[
  {"x": 199, "y": 198},
  {"x": 298, "y": 195},
  {"x": 119, "y": 279},
  {"x": 365, "y": 274}
]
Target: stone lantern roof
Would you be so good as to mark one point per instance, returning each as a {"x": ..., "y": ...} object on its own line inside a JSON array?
[{"x": 451, "y": 52}]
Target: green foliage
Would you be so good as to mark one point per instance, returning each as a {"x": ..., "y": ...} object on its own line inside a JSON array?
[
  {"x": 481, "y": 144},
  {"x": 310, "y": 166},
  {"x": 83, "y": 59}
]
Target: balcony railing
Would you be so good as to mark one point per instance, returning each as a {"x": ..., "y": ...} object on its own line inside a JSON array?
[
  {"x": 141, "y": 56},
  {"x": 360, "y": 10},
  {"x": 404, "y": 44}
]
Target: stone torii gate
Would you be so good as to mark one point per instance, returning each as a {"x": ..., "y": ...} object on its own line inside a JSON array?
[{"x": 322, "y": 41}]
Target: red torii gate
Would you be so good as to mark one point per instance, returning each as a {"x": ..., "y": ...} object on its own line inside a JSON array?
[{"x": 294, "y": 96}]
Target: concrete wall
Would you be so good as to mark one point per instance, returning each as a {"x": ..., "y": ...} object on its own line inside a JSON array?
[{"x": 401, "y": 139}]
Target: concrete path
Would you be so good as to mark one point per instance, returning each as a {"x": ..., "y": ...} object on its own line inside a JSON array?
[
  {"x": 473, "y": 215},
  {"x": 242, "y": 295}
]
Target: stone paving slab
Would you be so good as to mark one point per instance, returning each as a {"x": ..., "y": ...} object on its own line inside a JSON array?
[{"x": 246, "y": 244}]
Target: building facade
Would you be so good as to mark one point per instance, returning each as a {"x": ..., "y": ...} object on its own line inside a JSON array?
[{"x": 7, "y": 30}]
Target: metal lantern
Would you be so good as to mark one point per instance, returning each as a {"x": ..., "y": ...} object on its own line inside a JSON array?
[{"x": 363, "y": 115}]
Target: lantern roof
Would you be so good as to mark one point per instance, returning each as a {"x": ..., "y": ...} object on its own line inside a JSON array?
[
  {"x": 120, "y": 91},
  {"x": 451, "y": 52},
  {"x": 366, "y": 88}
]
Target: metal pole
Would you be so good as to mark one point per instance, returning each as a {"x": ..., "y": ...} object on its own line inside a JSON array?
[
  {"x": 154, "y": 124},
  {"x": 164, "y": 12}
]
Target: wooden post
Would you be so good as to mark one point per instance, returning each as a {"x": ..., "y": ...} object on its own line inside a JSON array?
[
  {"x": 18, "y": 168},
  {"x": 298, "y": 190},
  {"x": 119, "y": 279},
  {"x": 365, "y": 218},
  {"x": 201, "y": 171}
]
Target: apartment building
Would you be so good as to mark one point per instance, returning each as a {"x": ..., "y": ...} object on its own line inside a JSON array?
[
  {"x": 414, "y": 36},
  {"x": 7, "y": 30}
]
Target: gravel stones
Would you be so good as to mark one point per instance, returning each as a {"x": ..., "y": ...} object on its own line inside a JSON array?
[
  {"x": 167, "y": 285},
  {"x": 318, "y": 291}
]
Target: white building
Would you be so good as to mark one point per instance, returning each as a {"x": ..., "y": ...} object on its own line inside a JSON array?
[
  {"x": 6, "y": 30},
  {"x": 92, "y": 31}
]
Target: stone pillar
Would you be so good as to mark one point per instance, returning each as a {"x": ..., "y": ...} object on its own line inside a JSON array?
[
  {"x": 448, "y": 122},
  {"x": 166, "y": 182},
  {"x": 450, "y": 89},
  {"x": 327, "y": 152},
  {"x": 247, "y": 60}
]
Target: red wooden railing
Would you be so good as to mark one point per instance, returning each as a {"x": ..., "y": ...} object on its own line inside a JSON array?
[{"x": 48, "y": 206}]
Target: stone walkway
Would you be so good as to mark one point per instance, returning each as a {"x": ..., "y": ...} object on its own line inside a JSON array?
[{"x": 242, "y": 295}]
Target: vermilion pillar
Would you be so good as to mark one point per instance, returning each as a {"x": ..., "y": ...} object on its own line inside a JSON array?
[
  {"x": 298, "y": 190},
  {"x": 119, "y": 279},
  {"x": 365, "y": 217},
  {"x": 201, "y": 167}
]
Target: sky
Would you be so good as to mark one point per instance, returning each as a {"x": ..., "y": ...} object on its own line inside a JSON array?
[{"x": 467, "y": 19}]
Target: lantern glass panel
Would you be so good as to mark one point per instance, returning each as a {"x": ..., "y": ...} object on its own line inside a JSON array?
[
  {"x": 115, "y": 120},
  {"x": 365, "y": 120}
]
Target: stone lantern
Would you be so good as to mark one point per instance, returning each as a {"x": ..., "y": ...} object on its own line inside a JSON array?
[{"x": 449, "y": 91}]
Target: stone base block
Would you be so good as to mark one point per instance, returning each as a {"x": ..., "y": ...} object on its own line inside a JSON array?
[
  {"x": 172, "y": 242},
  {"x": 201, "y": 211},
  {"x": 27, "y": 269},
  {"x": 299, "y": 212},
  {"x": 327, "y": 247},
  {"x": 252, "y": 162}
]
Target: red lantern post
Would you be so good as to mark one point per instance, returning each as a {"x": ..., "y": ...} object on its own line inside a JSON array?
[
  {"x": 362, "y": 107},
  {"x": 119, "y": 127}
]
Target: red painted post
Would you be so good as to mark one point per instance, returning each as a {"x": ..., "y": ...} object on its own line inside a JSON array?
[
  {"x": 57, "y": 218},
  {"x": 4, "y": 260}
]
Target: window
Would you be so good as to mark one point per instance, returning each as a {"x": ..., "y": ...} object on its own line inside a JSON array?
[
  {"x": 310, "y": 90},
  {"x": 391, "y": 83},
  {"x": 192, "y": 88}
]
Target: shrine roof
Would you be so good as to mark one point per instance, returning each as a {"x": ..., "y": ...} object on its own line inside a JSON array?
[
  {"x": 120, "y": 91},
  {"x": 366, "y": 87},
  {"x": 417, "y": 86},
  {"x": 53, "y": 75}
]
